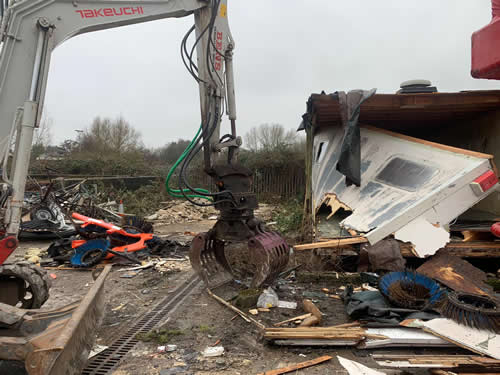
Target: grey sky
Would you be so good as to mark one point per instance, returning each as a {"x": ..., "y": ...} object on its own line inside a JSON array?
[{"x": 285, "y": 50}]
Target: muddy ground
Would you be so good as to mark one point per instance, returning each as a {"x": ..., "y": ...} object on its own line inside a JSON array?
[{"x": 201, "y": 321}]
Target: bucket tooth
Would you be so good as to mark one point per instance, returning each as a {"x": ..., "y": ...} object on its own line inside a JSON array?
[
  {"x": 207, "y": 258},
  {"x": 268, "y": 253}
]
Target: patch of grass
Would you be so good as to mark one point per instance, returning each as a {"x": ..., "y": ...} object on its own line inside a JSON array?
[
  {"x": 206, "y": 329},
  {"x": 495, "y": 283},
  {"x": 288, "y": 216},
  {"x": 160, "y": 336}
]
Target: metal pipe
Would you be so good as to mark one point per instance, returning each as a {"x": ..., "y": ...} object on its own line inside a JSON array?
[
  {"x": 38, "y": 64},
  {"x": 230, "y": 90}
]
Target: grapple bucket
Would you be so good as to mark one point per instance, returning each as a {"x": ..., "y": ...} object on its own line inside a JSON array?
[
  {"x": 56, "y": 342},
  {"x": 268, "y": 253}
]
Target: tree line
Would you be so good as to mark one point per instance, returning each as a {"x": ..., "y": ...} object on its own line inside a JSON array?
[{"x": 114, "y": 147}]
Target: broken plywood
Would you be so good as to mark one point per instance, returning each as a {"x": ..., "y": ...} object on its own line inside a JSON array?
[
  {"x": 456, "y": 274},
  {"x": 334, "y": 204},
  {"x": 402, "y": 179},
  {"x": 480, "y": 249}
]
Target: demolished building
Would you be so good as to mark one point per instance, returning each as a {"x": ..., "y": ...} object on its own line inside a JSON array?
[{"x": 406, "y": 164}]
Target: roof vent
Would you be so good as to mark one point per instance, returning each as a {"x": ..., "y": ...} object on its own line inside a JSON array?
[{"x": 416, "y": 86}]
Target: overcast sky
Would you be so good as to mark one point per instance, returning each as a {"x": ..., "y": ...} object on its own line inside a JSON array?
[{"x": 285, "y": 50}]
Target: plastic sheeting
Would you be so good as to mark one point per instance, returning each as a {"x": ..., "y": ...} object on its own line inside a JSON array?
[
  {"x": 373, "y": 307},
  {"x": 349, "y": 163}
]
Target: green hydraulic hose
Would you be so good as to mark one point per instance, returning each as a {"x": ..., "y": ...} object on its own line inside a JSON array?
[{"x": 177, "y": 193}]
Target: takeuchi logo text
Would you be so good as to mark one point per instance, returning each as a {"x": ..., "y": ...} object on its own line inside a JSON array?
[{"x": 110, "y": 12}]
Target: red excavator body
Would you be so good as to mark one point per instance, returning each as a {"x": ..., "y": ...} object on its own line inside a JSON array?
[{"x": 486, "y": 47}]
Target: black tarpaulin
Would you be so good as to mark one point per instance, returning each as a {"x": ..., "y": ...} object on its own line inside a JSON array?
[{"x": 349, "y": 163}]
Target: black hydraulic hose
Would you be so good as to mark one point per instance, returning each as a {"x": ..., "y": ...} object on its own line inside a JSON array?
[{"x": 184, "y": 52}]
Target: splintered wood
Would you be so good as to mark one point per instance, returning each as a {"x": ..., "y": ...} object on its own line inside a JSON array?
[
  {"x": 334, "y": 204},
  {"x": 319, "y": 336},
  {"x": 332, "y": 243},
  {"x": 236, "y": 310},
  {"x": 316, "y": 317},
  {"x": 300, "y": 317},
  {"x": 297, "y": 366}
]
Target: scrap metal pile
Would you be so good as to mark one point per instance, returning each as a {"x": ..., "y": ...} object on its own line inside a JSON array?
[
  {"x": 47, "y": 211},
  {"x": 98, "y": 241}
]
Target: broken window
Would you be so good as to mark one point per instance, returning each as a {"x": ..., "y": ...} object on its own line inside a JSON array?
[
  {"x": 320, "y": 153},
  {"x": 405, "y": 174}
]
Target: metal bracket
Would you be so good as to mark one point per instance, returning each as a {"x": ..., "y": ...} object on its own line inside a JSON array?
[{"x": 237, "y": 142}]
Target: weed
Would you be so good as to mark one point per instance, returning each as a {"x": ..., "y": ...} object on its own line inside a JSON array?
[
  {"x": 206, "y": 329},
  {"x": 288, "y": 216},
  {"x": 160, "y": 336}
]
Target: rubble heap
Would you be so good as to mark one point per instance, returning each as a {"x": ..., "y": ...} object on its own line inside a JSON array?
[{"x": 176, "y": 212}]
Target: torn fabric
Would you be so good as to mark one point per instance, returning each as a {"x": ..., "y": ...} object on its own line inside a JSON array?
[
  {"x": 372, "y": 306},
  {"x": 384, "y": 255},
  {"x": 349, "y": 163}
]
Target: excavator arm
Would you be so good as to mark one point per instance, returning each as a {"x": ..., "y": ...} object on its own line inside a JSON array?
[{"x": 30, "y": 30}]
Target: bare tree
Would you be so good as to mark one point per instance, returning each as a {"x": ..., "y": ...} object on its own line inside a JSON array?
[
  {"x": 123, "y": 136},
  {"x": 109, "y": 136},
  {"x": 252, "y": 139},
  {"x": 270, "y": 137}
]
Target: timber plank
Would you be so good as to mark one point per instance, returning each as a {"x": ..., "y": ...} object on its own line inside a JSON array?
[{"x": 297, "y": 366}]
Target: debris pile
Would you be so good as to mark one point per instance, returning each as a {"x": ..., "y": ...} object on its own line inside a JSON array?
[
  {"x": 178, "y": 212},
  {"x": 444, "y": 303}
]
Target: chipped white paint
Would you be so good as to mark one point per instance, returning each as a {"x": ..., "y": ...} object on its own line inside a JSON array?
[
  {"x": 426, "y": 238},
  {"x": 406, "y": 363},
  {"x": 355, "y": 368},
  {"x": 479, "y": 341},
  {"x": 381, "y": 207},
  {"x": 402, "y": 337}
]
